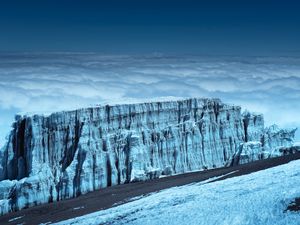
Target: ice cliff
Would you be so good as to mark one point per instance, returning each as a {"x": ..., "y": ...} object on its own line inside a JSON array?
[{"x": 50, "y": 158}]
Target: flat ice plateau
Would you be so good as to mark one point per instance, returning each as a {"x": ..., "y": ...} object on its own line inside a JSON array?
[{"x": 258, "y": 198}]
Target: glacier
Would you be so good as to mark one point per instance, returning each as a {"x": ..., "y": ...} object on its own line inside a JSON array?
[{"x": 69, "y": 153}]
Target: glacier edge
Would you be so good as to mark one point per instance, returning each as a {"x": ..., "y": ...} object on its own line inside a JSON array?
[{"x": 66, "y": 154}]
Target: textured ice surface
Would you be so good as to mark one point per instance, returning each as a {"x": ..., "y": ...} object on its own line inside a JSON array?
[
  {"x": 65, "y": 154},
  {"x": 259, "y": 198}
]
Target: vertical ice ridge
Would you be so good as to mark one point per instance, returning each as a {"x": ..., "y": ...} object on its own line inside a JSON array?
[{"x": 71, "y": 153}]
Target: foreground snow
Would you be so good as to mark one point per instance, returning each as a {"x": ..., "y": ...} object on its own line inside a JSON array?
[{"x": 258, "y": 198}]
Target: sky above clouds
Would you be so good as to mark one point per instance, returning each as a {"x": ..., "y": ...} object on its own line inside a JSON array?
[
  {"x": 252, "y": 27},
  {"x": 44, "y": 82}
]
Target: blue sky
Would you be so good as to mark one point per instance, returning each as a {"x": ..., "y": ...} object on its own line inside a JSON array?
[{"x": 169, "y": 26}]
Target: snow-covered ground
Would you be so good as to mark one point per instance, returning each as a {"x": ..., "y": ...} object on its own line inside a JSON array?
[{"x": 257, "y": 198}]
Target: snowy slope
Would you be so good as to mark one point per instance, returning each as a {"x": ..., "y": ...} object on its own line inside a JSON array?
[{"x": 257, "y": 198}]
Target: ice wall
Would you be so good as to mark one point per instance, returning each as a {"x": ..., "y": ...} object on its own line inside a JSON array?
[{"x": 50, "y": 158}]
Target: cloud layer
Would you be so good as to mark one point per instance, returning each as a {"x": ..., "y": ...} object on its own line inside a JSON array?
[{"x": 60, "y": 81}]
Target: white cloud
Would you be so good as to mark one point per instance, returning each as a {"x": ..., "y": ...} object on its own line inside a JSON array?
[{"x": 47, "y": 82}]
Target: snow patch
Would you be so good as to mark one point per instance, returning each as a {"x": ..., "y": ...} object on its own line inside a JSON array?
[{"x": 16, "y": 218}]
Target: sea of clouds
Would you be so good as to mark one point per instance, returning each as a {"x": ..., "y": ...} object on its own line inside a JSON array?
[{"x": 45, "y": 83}]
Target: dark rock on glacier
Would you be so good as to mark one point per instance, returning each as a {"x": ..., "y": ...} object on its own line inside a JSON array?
[
  {"x": 289, "y": 150},
  {"x": 50, "y": 158}
]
